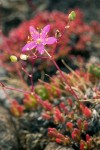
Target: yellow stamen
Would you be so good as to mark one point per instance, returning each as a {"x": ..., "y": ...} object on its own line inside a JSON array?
[{"x": 38, "y": 41}]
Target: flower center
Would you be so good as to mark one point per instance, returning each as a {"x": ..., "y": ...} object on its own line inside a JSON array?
[{"x": 39, "y": 41}]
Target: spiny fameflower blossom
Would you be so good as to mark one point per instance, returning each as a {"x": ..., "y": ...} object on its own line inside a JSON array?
[{"x": 39, "y": 40}]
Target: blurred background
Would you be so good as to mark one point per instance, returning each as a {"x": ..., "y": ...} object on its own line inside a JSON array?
[{"x": 13, "y": 12}]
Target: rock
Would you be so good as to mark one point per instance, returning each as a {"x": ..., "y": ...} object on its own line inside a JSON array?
[
  {"x": 96, "y": 142},
  {"x": 2, "y": 95},
  {"x": 94, "y": 125},
  {"x": 54, "y": 146},
  {"x": 12, "y": 12},
  {"x": 32, "y": 141},
  {"x": 8, "y": 138},
  {"x": 14, "y": 7},
  {"x": 3, "y": 77},
  {"x": 32, "y": 132},
  {"x": 3, "y": 72}
]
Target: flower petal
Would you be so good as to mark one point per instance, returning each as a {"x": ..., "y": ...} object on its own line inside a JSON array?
[
  {"x": 40, "y": 48},
  {"x": 50, "y": 40},
  {"x": 45, "y": 30},
  {"x": 34, "y": 33},
  {"x": 29, "y": 46}
]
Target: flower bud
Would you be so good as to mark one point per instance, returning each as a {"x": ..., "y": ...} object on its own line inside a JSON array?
[
  {"x": 13, "y": 58},
  {"x": 72, "y": 16},
  {"x": 23, "y": 57},
  {"x": 57, "y": 34}
]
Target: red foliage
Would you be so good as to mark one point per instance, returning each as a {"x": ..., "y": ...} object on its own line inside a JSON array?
[
  {"x": 69, "y": 125},
  {"x": 87, "y": 112},
  {"x": 16, "y": 108},
  {"x": 70, "y": 102},
  {"x": 58, "y": 137},
  {"x": 58, "y": 116},
  {"x": 82, "y": 145},
  {"x": 47, "y": 106},
  {"x": 82, "y": 125},
  {"x": 86, "y": 145},
  {"x": 29, "y": 101},
  {"x": 76, "y": 134},
  {"x": 46, "y": 116}
]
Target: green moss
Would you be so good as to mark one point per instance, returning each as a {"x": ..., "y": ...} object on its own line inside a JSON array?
[
  {"x": 94, "y": 70},
  {"x": 42, "y": 92}
]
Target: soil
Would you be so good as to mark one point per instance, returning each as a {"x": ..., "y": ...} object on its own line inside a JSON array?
[{"x": 8, "y": 135}]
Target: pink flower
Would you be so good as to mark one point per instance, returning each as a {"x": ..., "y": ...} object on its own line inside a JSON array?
[{"x": 39, "y": 40}]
